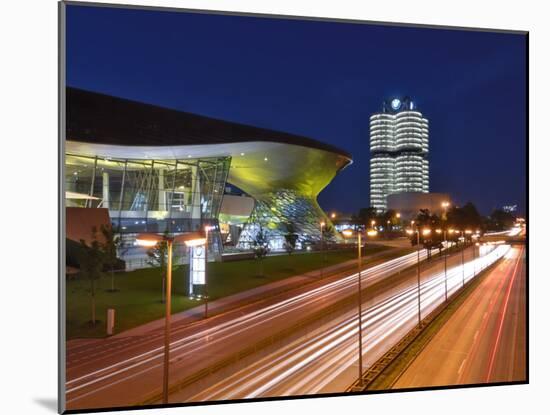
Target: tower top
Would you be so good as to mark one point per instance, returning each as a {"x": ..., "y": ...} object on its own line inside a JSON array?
[{"x": 397, "y": 104}]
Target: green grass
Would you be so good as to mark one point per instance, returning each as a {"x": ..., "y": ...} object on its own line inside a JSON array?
[{"x": 138, "y": 299}]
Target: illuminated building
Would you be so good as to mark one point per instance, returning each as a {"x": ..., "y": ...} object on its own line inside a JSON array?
[
  {"x": 161, "y": 170},
  {"x": 399, "y": 151}
]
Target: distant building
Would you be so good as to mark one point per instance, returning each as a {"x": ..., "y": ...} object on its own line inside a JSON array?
[
  {"x": 409, "y": 204},
  {"x": 399, "y": 151},
  {"x": 510, "y": 208}
]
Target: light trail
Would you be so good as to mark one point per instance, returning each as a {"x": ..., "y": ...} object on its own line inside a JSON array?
[
  {"x": 219, "y": 333},
  {"x": 308, "y": 366}
]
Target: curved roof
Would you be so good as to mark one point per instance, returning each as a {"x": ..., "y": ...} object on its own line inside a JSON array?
[
  {"x": 262, "y": 160},
  {"x": 103, "y": 119}
]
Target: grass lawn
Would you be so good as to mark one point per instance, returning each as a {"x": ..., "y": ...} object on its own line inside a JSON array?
[{"x": 138, "y": 299}]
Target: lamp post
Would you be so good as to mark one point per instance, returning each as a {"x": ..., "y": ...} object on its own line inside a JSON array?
[
  {"x": 359, "y": 306},
  {"x": 322, "y": 224},
  {"x": 444, "y": 257},
  {"x": 424, "y": 232},
  {"x": 445, "y": 205},
  {"x": 469, "y": 232},
  {"x": 462, "y": 254},
  {"x": 150, "y": 240}
]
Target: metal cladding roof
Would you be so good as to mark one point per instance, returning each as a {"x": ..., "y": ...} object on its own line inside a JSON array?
[{"x": 103, "y": 119}]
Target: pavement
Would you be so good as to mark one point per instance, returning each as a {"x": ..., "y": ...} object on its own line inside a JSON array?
[{"x": 485, "y": 339}]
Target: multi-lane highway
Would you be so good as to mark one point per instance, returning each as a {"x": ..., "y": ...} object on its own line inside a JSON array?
[
  {"x": 325, "y": 360},
  {"x": 319, "y": 358},
  {"x": 485, "y": 339},
  {"x": 130, "y": 370}
]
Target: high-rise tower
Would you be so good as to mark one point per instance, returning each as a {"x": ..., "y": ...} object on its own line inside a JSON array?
[{"x": 399, "y": 151}]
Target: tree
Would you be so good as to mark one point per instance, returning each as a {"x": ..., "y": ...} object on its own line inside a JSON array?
[
  {"x": 366, "y": 216},
  {"x": 500, "y": 220},
  {"x": 291, "y": 237},
  {"x": 464, "y": 217},
  {"x": 91, "y": 265},
  {"x": 110, "y": 245},
  {"x": 426, "y": 220},
  {"x": 158, "y": 257},
  {"x": 261, "y": 247},
  {"x": 328, "y": 233},
  {"x": 387, "y": 219}
]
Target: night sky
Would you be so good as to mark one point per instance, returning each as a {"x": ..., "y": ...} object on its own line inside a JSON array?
[{"x": 323, "y": 80}]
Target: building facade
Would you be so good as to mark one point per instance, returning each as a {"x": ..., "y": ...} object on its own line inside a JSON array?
[
  {"x": 399, "y": 147},
  {"x": 160, "y": 170}
]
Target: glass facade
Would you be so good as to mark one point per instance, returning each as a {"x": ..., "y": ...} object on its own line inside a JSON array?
[
  {"x": 156, "y": 196},
  {"x": 273, "y": 211}
]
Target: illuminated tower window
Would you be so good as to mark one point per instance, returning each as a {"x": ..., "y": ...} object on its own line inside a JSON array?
[{"x": 399, "y": 137}]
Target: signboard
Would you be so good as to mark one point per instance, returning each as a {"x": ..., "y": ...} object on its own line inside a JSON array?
[{"x": 198, "y": 264}]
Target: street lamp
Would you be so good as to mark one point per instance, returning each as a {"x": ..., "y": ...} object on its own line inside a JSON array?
[
  {"x": 359, "y": 306},
  {"x": 462, "y": 253},
  {"x": 476, "y": 245},
  {"x": 322, "y": 224},
  {"x": 150, "y": 240},
  {"x": 417, "y": 231},
  {"x": 425, "y": 232},
  {"x": 445, "y": 260}
]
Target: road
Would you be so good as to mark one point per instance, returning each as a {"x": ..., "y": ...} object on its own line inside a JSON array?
[
  {"x": 325, "y": 359},
  {"x": 132, "y": 372},
  {"x": 485, "y": 339},
  {"x": 130, "y": 369}
]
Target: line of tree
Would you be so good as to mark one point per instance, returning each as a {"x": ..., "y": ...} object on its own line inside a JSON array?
[{"x": 458, "y": 217}]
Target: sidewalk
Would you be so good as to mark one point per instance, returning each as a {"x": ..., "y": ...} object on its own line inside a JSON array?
[{"x": 234, "y": 301}]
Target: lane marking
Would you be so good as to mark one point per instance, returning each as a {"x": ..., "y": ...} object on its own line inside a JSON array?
[
  {"x": 461, "y": 366},
  {"x": 503, "y": 314}
]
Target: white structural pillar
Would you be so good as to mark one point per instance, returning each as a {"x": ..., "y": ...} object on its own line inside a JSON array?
[
  {"x": 196, "y": 196},
  {"x": 162, "y": 192},
  {"x": 105, "y": 180}
]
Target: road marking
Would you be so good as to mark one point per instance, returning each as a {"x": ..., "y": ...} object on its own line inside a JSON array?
[
  {"x": 503, "y": 314},
  {"x": 461, "y": 367}
]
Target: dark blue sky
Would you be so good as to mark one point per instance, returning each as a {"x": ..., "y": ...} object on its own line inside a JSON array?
[{"x": 323, "y": 80}]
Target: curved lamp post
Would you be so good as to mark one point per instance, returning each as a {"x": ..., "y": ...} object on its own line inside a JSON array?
[{"x": 150, "y": 240}]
